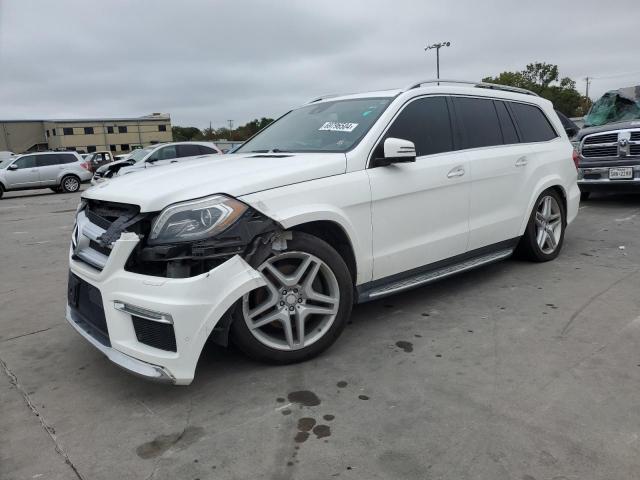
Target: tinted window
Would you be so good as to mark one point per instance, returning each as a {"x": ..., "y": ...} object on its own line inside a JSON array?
[
  {"x": 66, "y": 158},
  {"x": 533, "y": 124},
  {"x": 47, "y": 160},
  {"x": 188, "y": 150},
  {"x": 122, "y": 129},
  {"x": 88, "y": 130},
  {"x": 206, "y": 150},
  {"x": 26, "y": 162},
  {"x": 162, "y": 128},
  {"x": 509, "y": 134},
  {"x": 426, "y": 123},
  {"x": 479, "y": 122},
  {"x": 167, "y": 153},
  {"x": 67, "y": 131}
]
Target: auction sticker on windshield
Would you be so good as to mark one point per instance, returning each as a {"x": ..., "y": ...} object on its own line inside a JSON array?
[{"x": 338, "y": 127}]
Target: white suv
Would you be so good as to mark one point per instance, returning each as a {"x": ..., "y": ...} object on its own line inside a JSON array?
[{"x": 342, "y": 200}]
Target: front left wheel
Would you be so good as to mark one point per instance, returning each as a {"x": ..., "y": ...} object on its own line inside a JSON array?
[{"x": 303, "y": 308}]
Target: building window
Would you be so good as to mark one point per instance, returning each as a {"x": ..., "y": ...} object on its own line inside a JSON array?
[
  {"x": 124, "y": 146},
  {"x": 109, "y": 129},
  {"x": 53, "y": 130},
  {"x": 112, "y": 148},
  {"x": 91, "y": 148},
  {"x": 162, "y": 128},
  {"x": 67, "y": 131},
  {"x": 88, "y": 130},
  {"x": 47, "y": 133},
  {"x": 123, "y": 130},
  {"x": 154, "y": 142}
]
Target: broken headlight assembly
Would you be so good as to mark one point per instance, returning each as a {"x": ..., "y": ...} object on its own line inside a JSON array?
[{"x": 195, "y": 220}]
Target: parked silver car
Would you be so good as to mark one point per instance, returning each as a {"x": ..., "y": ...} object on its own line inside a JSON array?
[{"x": 59, "y": 171}]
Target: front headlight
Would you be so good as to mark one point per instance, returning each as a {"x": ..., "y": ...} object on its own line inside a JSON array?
[
  {"x": 81, "y": 206},
  {"x": 196, "y": 219}
]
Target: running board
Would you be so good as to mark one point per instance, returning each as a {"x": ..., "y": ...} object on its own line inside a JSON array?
[{"x": 433, "y": 275}]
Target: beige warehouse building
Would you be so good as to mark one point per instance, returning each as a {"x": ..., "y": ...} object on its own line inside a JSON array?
[{"x": 85, "y": 134}]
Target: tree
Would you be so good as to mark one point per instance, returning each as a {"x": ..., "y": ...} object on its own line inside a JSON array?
[
  {"x": 544, "y": 79},
  {"x": 183, "y": 134}
]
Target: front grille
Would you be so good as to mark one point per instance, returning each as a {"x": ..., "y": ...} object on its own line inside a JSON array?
[
  {"x": 602, "y": 138},
  {"x": 635, "y": 136},
  {"x": 634, "y": 149},
  {"x": 155, "y": 334},
  {"x": 85, "y": 301},
  {"x": 104, "y": 214},
  {"x": 600, "y": 151}
]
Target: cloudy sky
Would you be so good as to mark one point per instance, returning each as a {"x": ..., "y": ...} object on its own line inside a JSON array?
[{"x": 211, "y": 61}]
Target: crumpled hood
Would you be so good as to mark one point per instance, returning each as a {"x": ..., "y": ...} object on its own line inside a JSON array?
[{"x": 236, "y": 175}]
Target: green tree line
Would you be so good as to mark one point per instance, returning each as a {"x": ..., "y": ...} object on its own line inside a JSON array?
[
  {"x": 544, "y": 79},
  {"x": 242, "y": 133}
]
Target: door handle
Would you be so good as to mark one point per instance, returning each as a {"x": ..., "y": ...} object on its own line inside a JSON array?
[
  {"x": 456, "y": 172},
  {"x": 521, "y": 162}
]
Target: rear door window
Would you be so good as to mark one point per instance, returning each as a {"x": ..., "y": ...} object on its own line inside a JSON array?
[
  {"x": 479, "y": 122},
  {"x": 47, "y": 160},
  {"x": 426, "y": 123},
  {"x": 533, "y": 124},
  {"x": 509, "y": 134},
  {"x": 204, "y": 150},
  {"x": 188, "y": 150}
]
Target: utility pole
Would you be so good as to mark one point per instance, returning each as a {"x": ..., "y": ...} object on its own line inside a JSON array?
[
  {"x": 437, "y": 46},
  {"x": 588, "y": 80},
  {"x": 230, "y": 124}
]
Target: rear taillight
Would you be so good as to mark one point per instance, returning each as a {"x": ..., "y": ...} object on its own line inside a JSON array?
[
  {"x": 84, "y": 165},
  {"x": 576, "y": 157}
]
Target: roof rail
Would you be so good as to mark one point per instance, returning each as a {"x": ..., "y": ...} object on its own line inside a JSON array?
[{"x": 493, "y": 86}]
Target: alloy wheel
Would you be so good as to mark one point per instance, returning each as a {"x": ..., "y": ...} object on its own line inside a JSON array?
[
  {"x": 71, "y": 184},
  {"x": 548, "y": 224},
  {"x": 297, "y": 306}
]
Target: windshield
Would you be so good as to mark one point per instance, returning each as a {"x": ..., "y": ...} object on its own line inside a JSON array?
[
  {"x": 139, "y": 154},
  {"x": 615, "y": 106},
  {"x": 324, "y": 127}
]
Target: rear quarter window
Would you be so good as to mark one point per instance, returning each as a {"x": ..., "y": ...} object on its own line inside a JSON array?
[{"x": 533, "y": 124}]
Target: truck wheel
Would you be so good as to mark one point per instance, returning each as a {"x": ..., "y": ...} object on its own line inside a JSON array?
[
  {"x": 303, "y": 308},
  {"x": 544, "y": 235},
  {"x": 70, "y": 184}
]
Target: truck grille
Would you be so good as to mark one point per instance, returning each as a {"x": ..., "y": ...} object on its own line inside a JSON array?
[
  {"x": 601, "y": 138},
  {"x": 155, "y": 334},
  {"x": 611, "y": 145}
]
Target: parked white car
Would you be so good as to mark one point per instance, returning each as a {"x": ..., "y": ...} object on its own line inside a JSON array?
[
  {"x": 62, "y": 172},
  {"x": 343, "y": 200},
  {"x": 154, "y": 156}
]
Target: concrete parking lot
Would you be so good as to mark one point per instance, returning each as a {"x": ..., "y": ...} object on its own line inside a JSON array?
[{"x": 514, "y": 371}]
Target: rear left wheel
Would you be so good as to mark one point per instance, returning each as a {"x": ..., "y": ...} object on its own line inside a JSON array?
[
  {"x": 303, "y": 308},
  {"x": 544, "y": 235},
  {"x": 70, "y": 184}
]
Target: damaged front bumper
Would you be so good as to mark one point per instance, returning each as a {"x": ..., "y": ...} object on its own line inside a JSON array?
[{"x": 125, "y": 315}]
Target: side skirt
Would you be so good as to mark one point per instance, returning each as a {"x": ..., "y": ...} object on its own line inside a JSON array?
[{"x": 435, "y": 271}]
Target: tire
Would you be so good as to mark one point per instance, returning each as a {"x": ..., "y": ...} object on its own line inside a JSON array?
[
  {"x": 308, "y": 282},
  {"x": 548, "y": 216},
  {"x": 584, "y": 196},
  {"x": 69, "y": 184},
  {"x": 1, "y": 190}
]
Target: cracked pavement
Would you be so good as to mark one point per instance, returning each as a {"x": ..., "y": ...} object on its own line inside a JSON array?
[{"x": 514, "y": 371}]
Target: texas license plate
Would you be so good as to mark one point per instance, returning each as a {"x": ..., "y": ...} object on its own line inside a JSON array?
[{"x": 621, "y": 173}]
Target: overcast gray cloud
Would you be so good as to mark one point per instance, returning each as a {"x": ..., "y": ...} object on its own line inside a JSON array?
[{"x": 206, "y": 61}]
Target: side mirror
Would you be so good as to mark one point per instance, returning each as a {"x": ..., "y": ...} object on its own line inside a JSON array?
[
  {"x": 13, "y": 166},
  {"x": 397, "y": 150},
  {"x": 571, "y": 131}
]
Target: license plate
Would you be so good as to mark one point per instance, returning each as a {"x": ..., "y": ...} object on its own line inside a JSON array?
[{"x": 621, "y": 173}]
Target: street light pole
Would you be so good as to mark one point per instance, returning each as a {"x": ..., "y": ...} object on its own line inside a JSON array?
[{"x": 437, "y": 46}]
